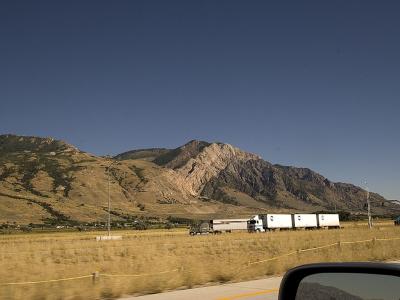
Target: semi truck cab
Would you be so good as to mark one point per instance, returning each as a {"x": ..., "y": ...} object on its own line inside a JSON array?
[
  {"x": 200, "y": 228},
  {"x": 255, "y": 224}
]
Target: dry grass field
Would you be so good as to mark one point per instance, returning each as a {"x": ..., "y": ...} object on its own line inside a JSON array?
[{"x": 196, "y": 260}]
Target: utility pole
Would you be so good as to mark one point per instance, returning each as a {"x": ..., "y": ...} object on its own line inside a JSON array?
[
  {"x": 109, "y": 237},
  {"x": 369, "y": 207},
  {"x": 334, "y": 196},
  {"x": 109, "y": 200}
]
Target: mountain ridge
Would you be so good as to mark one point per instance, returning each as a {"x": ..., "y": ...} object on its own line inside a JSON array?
[{"x": 46, "y": 180}]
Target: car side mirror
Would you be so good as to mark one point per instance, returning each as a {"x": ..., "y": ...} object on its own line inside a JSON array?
[{"x": 342, "y": 281}]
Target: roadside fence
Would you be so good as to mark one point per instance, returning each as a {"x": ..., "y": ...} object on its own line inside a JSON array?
[
  {"x": 96, "y": 275},
  {"x": 337, "y": 244}
]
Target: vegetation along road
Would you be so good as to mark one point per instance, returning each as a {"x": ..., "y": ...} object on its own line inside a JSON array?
[{"x": 60, "y": 265}]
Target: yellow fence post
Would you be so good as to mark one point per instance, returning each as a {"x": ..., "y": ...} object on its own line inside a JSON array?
[{"x": 95, "y": 276}]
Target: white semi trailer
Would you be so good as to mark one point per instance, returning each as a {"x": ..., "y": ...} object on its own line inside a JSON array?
[
  {"x": 278, "y": 221},
  {"x": 305, "y": 221},
  {"x": 228, "y": 225},
  {"x": 328, "y": 221},
  {"x": 218, "y": 226}
]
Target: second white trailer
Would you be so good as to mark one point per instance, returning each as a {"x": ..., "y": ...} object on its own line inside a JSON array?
[
  {"x": 328, "y": 221},
  {"x": 305, "y": 221}
]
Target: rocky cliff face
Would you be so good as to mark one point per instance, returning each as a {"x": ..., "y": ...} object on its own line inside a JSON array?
[
  {"x": 254, "y": 177},
  {"x": 293, "y": 188},
  {"x": 225, "y": 173},
  {"x": 203, "y": 162},
  {"x": 178, "y": 157}
]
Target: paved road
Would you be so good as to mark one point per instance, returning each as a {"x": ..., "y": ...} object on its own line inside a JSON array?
[{"x": 266, "y": 289}]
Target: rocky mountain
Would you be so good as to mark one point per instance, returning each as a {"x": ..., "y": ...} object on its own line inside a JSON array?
[
  {"x": 225, "y": 173},
  {"x": 43, "y": 180}
]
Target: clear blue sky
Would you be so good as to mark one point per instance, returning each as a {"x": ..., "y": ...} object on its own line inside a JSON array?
[{"x": 304, "y": 83}]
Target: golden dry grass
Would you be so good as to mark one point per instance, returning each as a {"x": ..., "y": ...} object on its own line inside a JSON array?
[{"x": 203, "y": 259}]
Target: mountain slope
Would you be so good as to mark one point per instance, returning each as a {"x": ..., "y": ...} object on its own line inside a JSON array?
[
  {"x": 230, "y": 175},
  {"x": 178, "y": 157},
  {"x": 290, "y": 187},
  {"x": 47, "y": 181},
  {"x": 43, "y": 180},
  {"x": 144, "y": 154}
]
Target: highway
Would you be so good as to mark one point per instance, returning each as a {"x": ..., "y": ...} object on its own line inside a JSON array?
[{"x": 266, "y": 289}]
